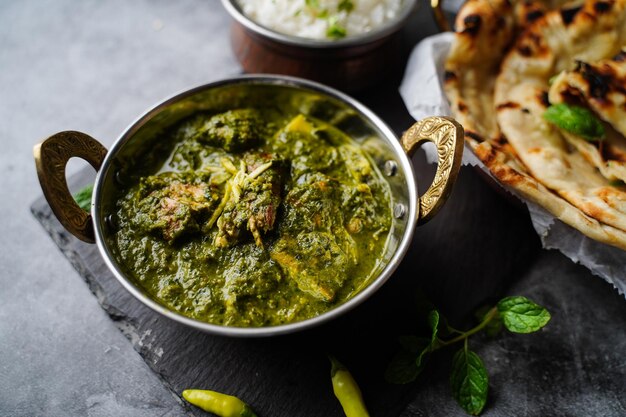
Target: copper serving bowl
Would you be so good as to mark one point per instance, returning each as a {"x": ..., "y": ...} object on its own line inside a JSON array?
[
  {"x": 391, "y": 155},
  {"x": 350, "y": 64}
]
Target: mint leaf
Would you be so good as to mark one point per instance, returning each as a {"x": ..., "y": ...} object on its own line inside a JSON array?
[
  {"x": 413, "y": 344},
  {"x": 469, "y": 381},
  {"x": 577, "y": 120},
  {"x": 420, "y": 361},
  {"x": 402, "y": 368},
  {"x": 419, "y": 347},
  {"x": 409, "y": 362},
  {"x": 520, "y": 315},
  {"x": 83, "y": 198},
  {"x": 433, "y": 322}
]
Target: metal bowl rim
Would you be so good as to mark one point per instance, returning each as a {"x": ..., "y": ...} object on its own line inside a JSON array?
[
  {"x": 376, "y": 34},
  {"x": 298, "y": 83}
]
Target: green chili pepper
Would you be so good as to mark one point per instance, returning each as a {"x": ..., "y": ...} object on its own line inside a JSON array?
[
  {"x": 217, "y": 403},
  {"x": 346, "y": 390}
]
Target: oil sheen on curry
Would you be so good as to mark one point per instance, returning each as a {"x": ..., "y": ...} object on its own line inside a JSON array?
[{"x": 252, "y": 218}]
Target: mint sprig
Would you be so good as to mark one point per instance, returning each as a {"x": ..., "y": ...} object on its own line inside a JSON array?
[
  {"x": 469, "y": 379},
  {"x": 520, "y": 315}
]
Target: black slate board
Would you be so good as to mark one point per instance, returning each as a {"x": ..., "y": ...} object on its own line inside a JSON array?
[{"x": 477, "y": 249}]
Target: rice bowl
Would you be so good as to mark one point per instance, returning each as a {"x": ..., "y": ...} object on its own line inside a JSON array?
[{"x": 322, "y": 19}]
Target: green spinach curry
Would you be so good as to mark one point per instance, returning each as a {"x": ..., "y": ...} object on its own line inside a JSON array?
[{"x": 254, "y": 219}]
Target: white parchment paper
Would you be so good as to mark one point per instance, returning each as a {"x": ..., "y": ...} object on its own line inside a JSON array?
[{"x": 423, "y": 96}]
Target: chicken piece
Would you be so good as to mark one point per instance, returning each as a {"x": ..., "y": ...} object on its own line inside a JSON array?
[
  {"x": 252, "y": 198},
  {"x": 173, "y": 204},
  {"x": 316, "y": 261},
  {"x": 249, "y": 273},
  {"x": 314, "y": 249},
  {"x": 234, "y": 130},
  {"x": 306, "y": 146}
]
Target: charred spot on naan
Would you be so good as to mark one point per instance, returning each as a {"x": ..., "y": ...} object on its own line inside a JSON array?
[
  {"x": 449, "y": 76},
  {"x": 593, "y": 210},
  {"x": 502, "y": 144},
  {"x": 533, "y": 44},
  {"x": 571, "y": 95},
  {"x": 474, "y": 135},
  {"x": 507, "y": 105},
  {"x": 621, "y": 56},
  {"x": 471, "y": 24},
  {"x": 609, "y": 152},
  {"x": 533, "y": 15},
  {"x": 602, "y": 6},
  {"x": 529, "y": 11},
  {"x": 602, "y": 80},
  {"x": 498, "y": 163},
  {"x": 613, "y": 197},
  {"x": 496, "y": 148},
  {"x": 568, "y": 14},
  {"x": 500, "y": 140}
]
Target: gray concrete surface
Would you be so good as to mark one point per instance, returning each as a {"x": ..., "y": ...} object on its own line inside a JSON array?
[{"x": 91, "y": 66}]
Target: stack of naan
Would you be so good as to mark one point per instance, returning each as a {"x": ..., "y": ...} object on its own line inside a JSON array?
[{"x": 511, "y": 60}]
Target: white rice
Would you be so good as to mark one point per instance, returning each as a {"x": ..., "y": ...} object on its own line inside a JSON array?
[{"x": 315, "y": 19}]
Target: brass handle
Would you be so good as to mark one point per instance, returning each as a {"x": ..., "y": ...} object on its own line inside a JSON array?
[
  {"x": 447, "y": 135},
  {"x": 440, "y": 17},
  {"x": 51, "y": 157}
]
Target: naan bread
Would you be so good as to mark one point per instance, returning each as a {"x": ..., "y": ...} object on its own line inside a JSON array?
[
  {"x": 551, "y": 45},
  {"x": 600, "y": 86},
  {"x": 485, "y": 28},
  {"x": 484, "y": 32}
]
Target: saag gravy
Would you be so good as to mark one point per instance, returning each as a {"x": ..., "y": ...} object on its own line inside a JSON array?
[{"x": 252, "y": 218}]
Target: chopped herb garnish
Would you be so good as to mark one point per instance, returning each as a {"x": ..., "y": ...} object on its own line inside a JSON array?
[
  {"x": 315, "y": 4},
  {"x": 335, "y": 30},
  {"x": 345, "y": 6}
]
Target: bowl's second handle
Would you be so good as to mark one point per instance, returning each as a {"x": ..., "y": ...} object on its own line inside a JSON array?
[
  {"x": 440, "y": 17},
  {"x": 447, "y": 135},
  {"x": 51, "y": 157}
]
